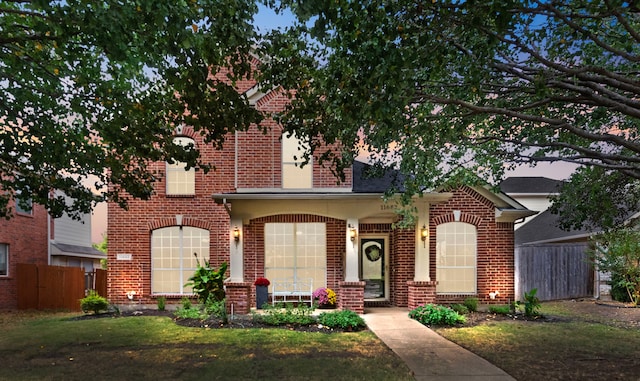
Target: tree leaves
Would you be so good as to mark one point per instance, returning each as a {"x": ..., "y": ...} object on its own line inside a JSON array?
[{"x": 94, "y": 89}]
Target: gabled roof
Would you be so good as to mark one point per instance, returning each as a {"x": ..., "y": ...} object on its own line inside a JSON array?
[
  {"x": 530, "y": 185},
  {"x": 366, "y": 180},
  {"x": 76, "y": 251},
  {"x": 543, "y": 228}
]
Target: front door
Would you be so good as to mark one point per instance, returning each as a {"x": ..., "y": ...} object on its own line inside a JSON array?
[{"x": 374, "y": 267}]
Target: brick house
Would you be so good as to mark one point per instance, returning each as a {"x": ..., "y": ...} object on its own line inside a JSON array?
[
  {"x": 24, "y": 239},
  {"x": 267, "y": 217}
]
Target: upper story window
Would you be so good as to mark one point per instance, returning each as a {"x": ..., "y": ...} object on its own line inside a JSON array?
[
  {"x": 293, "y": 175},
  {"x": 24, "y": 205},
  {"x": 181, "y": 181},
  {"x": 456, "y": 258},
  {"x": 4, "y": 259}
]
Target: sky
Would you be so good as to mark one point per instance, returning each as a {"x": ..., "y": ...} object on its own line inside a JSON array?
[{"x": 266, "y": 20}]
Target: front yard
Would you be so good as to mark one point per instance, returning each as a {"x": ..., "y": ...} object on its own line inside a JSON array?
[
  {"x": 53, "y": 347},
  {"x": 577, "y": 340}
]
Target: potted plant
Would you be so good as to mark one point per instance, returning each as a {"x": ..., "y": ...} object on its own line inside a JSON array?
[
  {"x": 325, "y": 297},
  {"x": 262, "y": 293}
]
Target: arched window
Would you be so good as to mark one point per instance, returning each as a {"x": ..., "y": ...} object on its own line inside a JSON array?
[
  {"x": 173, "y": 257},
  {"x": 181, "y": 181},
  {"x": 456, "y": 258}
]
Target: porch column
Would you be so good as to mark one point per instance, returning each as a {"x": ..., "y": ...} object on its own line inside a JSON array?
[
  {"x": 351, "y": 256},
  {"x": 236, "y": 259},
  {"x": 421, "y": 270}
]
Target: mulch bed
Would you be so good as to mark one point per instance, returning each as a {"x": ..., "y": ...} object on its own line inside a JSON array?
[{"x": 238, "y": 321}]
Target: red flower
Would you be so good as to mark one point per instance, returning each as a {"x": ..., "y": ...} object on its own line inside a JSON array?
[{"x": 262, "y": 282}]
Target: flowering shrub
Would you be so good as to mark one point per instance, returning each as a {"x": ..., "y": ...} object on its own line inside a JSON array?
[
  {"x": 325, "y": 296},
  {"x": 262, "y": 282}
]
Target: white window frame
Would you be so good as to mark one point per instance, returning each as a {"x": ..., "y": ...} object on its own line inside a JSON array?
[
  {"x": 179, "y": 180},
  {"x": 295, "y": 239},
  {"x": 4, "y": 253},
  {"x": 177, "y": 244},
  {"x": 294, "y": 176},
  {"x": 454, "y": 241},
  {"x": 19, "y": 209}
]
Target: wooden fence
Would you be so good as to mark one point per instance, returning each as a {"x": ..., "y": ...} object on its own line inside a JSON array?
[
  {"x": 49, "y": 287},
  {"x": 559, "y": 271}
]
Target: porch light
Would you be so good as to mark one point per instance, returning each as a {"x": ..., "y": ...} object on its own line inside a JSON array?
[
  {"x": 131, "y": 295},
  {"x": 353, "y": 234},
  {"x": 424, "y": 233},
  {"x": 236, "y": 234}
]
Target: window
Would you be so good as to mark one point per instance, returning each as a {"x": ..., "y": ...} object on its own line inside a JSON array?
[
  {"x": 296, "y": 251},
  {"x": 4, "y": 259},
  {"x": 294, "y": 176},
  {"x": 456, "y": 258},
  {"x": 172, "y": 257},
  {"x": 181, "y": 181},
  {"x": 24, "y": 205}
]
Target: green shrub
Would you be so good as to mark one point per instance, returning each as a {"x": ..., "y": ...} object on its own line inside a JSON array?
[
  {"x": 290, "y": 314},
  {"x": 459, "y": 308},
  {"x": 471, "y": 304},
  {"x": 217, "y": 308},
  {"x": 93, "y": 302},
  {"x": 500, "y": 310},
  {"x": 189, "y": 311},
  {"x": 346, "y": 319},
  {"x": 208, "y": 282},
  {"x": 162, "y": 301},
  {"x": 531, "y": 303},
  {"x": 431, "y": 314}
]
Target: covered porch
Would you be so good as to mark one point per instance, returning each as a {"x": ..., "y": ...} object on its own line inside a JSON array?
[{"x": 365, "y": 257}]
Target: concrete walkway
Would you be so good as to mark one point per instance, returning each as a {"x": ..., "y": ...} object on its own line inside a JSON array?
[{"x": 430, "y": 356}]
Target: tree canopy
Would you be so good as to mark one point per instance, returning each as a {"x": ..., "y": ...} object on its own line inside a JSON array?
[
  {"x": 454, "y": 91},
  {"x": 94, "y": 89}
]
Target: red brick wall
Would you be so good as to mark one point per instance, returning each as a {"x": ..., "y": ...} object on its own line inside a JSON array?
[
  {"x": 495, "y": 250},
  {"x": 26, "y": 236}
]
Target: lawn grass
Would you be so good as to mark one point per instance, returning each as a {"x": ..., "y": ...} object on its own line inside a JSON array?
[
  {"x": 569, "y": 348},
  {"x": 52, "y": 347}
]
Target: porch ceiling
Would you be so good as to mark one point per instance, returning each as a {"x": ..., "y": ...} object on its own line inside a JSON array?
[{"x": 341, "y": 206}]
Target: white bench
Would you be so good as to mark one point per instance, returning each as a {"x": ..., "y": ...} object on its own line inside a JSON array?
[{"x": 289, "y": 290}]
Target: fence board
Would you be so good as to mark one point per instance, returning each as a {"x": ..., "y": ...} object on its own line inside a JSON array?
[
  {"x": 560, "y": 271},
  {"x": 49, "y": 287}
]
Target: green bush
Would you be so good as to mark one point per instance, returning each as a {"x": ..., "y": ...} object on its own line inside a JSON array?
[
  {"x": 459, "y": 308},
  {"x": 217, "y": 308},
  {"x": 162, "y": 301},
  {"x": 531, "y": 303},
  {"x": 189, "y": 311},
  {"x": 431, "y": 314},
  {"x": 283, "y": 315},
  {"x": 346, "y": 319},
  {"x": 471, "y": 304},
  {"x": 93, "y": 302},
  {"x": 500, "y": 310}
]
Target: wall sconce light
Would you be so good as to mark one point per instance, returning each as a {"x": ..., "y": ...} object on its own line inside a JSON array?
[
  {"x": 236, "y": 234},
  {"x": 131, "y": 294},
  {"x": 424, "y": 233},
  {"x": 493, "y": 295},
  {"x": 353, "y": 233}
]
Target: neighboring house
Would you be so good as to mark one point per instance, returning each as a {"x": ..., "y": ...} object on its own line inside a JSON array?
[
  {"x": 23, "y": 239},
  {"x": 532, "y": 192},
  {"x": 553, "y": 260},
  {"x": 268, "y": 217},
  {"x": 71, "y": 244}
]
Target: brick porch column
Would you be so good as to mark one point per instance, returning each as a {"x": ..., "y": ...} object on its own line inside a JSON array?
[
  {"x": 351, "y": 296},
  {"x": 238, "y": 294},
  {"x": 421, "y": 292}
]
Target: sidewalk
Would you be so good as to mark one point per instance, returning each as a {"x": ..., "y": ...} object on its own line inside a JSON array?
[{"x": 430, "y": 356}]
